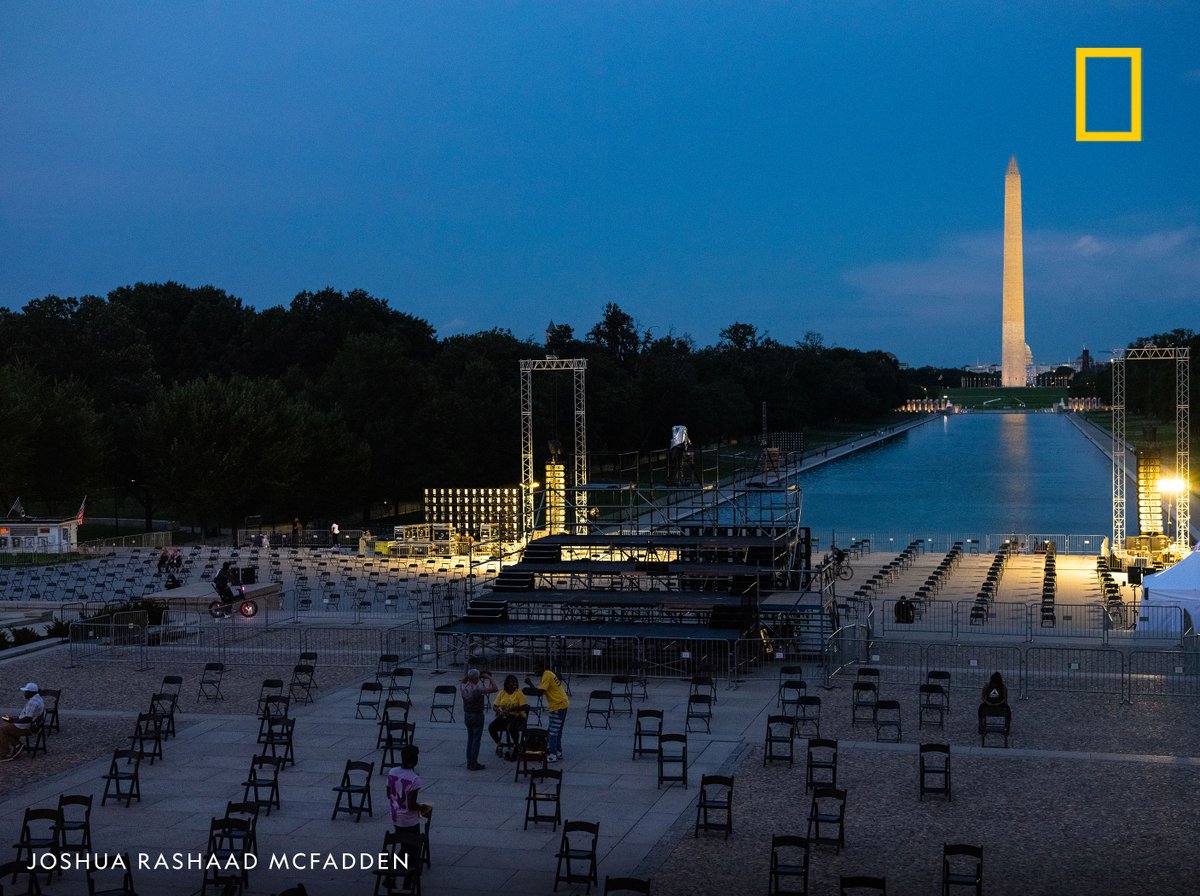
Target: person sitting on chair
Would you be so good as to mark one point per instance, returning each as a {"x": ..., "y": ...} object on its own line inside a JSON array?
[
  {"x": 12, "y": 731},
  {"x": 994, "y": 694},
  {"x": 511, "y": 710},
  {"x": 906, "y": 610}
]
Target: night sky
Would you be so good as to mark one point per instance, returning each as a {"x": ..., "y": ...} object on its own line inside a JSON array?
[{"x": 829, "y": 167}]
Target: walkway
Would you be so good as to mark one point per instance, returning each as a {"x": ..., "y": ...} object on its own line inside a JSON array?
[{"x": 1092, "y": 797}]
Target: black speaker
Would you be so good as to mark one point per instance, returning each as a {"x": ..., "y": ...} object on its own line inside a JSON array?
[{"x": 1135, "y": 575}]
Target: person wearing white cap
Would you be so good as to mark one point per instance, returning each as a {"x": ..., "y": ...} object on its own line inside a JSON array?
[{"x": 12, "y": 731}]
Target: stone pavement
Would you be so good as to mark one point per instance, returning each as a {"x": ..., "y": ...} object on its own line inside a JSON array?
[
  {"x": 1092, "y": 797},
  {"x": 477, "y": 834}
]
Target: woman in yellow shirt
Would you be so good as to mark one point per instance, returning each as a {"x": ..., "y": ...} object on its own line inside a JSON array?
[{"x": 511, "y": 710}]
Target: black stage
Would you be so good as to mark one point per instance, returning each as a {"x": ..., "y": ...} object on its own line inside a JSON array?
[
  {"x": 656, "y": 540},
  {"x": 579, "y": 598},
  {"x": 545, "y": 629},
  {"x": 689, "y": 568}
]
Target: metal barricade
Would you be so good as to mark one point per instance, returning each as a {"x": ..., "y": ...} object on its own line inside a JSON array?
[
  {"x": 970, "y": 665},
  {"x": 1152, "y": 625},
  {"x": 1073, "y": 621},
  {"x": 71, "y": 610},
  {"x": 762, "y": 657},
  {"x": 898, "y": 662},
  {"x": 108, "y": 642},
  {"x": 994, "y": 619},
  {"x": 600, "y": 655},
  {"x": 844, "y": 647},
  {"x": 932, "y": 617},
  {"x": 405, "y": 641},
  {"x": 1087, "y": 670},
  {"x": 264, "y": 647},
  {"x": 683, "y": 658},
  {"x": 355, "y": 647},
  {"x": 1163, "y": 673}
]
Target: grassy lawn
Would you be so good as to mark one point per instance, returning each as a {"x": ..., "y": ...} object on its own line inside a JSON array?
[
  {"x": 998, "y": 399},
  {"x": 1144, "y": 432}
]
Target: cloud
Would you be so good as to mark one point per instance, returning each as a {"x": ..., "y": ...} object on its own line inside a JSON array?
[
  {"x": 1088, "y": 245},
  {"x": 1101, "y": 286},
  {"x": 1102, "y": 265}
]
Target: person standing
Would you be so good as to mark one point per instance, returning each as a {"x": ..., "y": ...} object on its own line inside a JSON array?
[
  {"x": 556, "y": 706},
  {"x": 403, "y": 790},
  {"x": 334, "y": 531},
  {"x": 474, "y": 689}
]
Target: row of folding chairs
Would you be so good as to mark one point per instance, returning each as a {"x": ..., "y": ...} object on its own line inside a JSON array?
[{"x": 962, "y": 868}]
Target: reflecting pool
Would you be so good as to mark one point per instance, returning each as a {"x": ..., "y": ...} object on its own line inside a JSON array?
[{"x": 967, "y": 474}]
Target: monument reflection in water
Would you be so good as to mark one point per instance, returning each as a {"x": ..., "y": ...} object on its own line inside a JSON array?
[{"x": 969, "y": 474}]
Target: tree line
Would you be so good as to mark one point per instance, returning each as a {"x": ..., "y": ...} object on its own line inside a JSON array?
[{"x": 187, "y": 400}]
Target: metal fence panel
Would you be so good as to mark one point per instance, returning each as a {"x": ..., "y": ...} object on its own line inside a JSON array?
[
  {"x": 1164, "y": 673},
  {"x": 672, "y": 658},
  {"x": 1072, "y": 621},
  {"x": 898, "y": 662},
  {"x": 597, "y": 656},
  {"x": 108, "y": 642},
  {"x": 933, "y": 617},
  {"x": 251, "y": 646},
  {"x": 357, "y": 647},
  {"x": 406, "y": 641},
  {"x": 1088, "y": 670},
  {"x": 844, "y": 647},
  {"x": 970, "y": 665},
  {"x": 1153, "y": 625},
  {"x": 998, "y": 619},
  {"x": 759, "y": 658}
]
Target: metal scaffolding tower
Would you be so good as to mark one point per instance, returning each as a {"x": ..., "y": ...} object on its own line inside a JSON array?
[
  {"x": 578, "y": 367},
  {"x": 1120, "y": 452}
]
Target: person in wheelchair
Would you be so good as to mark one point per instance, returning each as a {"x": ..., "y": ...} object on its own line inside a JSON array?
[{"x": 512, "y": 711}]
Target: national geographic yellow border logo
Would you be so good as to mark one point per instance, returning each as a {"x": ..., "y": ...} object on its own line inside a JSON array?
[{"x": 1134, "y": 55}]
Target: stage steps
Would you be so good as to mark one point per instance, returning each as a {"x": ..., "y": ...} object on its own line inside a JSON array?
[
  {"x": 488, "y": 610},
  {"x": 537, "y": 552},
  {"x": 512, "y": 580}
]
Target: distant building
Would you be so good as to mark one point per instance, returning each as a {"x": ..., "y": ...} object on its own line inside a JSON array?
[
  {"x": 39, "y": 535},
  {"x": 21, "y": 534}
]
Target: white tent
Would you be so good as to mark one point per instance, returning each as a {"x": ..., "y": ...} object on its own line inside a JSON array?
[{"x": 1177, "y": 586}]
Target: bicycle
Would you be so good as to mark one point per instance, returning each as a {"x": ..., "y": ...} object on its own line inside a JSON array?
[{"x": 841, "y": 565}]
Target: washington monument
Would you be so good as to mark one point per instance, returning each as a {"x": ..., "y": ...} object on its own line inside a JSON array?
[{"x": 1013, "y": 351}]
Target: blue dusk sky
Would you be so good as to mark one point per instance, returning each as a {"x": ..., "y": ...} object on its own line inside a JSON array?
[{"x": 834, "y": 167}]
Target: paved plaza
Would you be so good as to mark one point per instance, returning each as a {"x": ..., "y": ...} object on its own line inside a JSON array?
[{"x": 1093, "y": 795}]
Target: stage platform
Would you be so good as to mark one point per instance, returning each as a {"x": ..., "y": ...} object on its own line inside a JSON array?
[
  {"x": 583, "y": 599},
  {"x": 634, "y": 568},
  {"x": 203, "y": 593},
  {"x": 588, "y": 630},
  {"x": 664, "y": 540}
]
